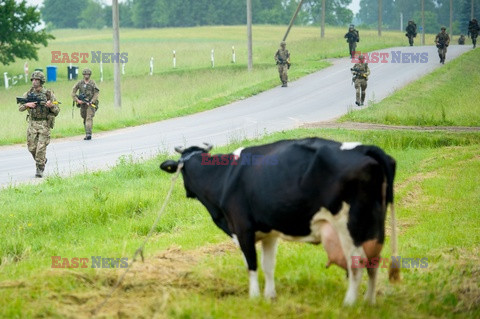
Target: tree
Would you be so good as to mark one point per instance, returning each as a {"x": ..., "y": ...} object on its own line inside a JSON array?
[
  {"x": 336, "y": 12},
  {"x": 90, "y": 17},
  {"x": 17, "y": 31},
  {"x": 63, "y": 14}
]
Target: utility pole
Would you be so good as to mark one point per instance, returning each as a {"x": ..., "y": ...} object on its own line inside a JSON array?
[
  {"x": 451, "y": 17},
  {"x": 117, "y": 101},
  {"x": 293, "y": 20},
  {"x": 471, "y": 10},
  {"x": 423, "y": 22},
  {"x": 401, "y": 21},
  {"x": 322, "y": 33},
  {"x": 379, "y": 18},
  {"x": 249, "y": 34}
]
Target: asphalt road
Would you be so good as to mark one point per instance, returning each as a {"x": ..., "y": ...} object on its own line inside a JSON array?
[{"x": 320, "y": 96}]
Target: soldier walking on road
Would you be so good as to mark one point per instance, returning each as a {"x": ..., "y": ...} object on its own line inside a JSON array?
[
  {"x": 87, "y": 100},
  {"x": 411, "y": 31},
  {"x": 282, "y": 58},
  {"x": 352, "y": 37},
  {"x": 360, "y": 73},
  {"x": 473, "y": 30},
  {"x": 461, "y": 40},
  {"x": 442, "y": 40},
  {"x": 41, "y": 116}
]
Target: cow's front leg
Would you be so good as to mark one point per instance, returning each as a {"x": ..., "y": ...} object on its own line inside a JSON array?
[
  {"x": 372, "y": 279},
  {"x": 246, "y": 240},
  {"x": 269, "y": 250}
]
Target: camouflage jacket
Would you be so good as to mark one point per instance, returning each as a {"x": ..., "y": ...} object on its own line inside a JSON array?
[
  {"x": 361, "y": 71},
  {"x": 89, "y": 89},
  {"x": 352, "y": 36},
  {"x": 412, "y": 29},
  {"x": 442, "y": 38},
  {"x": 282, "y": 56},
  {"x": 41, "y": 112},
  {"x": 473, "y": 27}
]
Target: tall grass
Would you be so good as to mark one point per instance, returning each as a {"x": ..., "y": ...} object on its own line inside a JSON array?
[
  {"x": 193, "y": 86},
  {"x": 447, "y": 96}
]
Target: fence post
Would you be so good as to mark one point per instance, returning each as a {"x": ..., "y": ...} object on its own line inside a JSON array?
[
  {"x": 212, "y": 58},
  {"x": 6, "y": 79},
  {"x": 101, "y": 71},
  {"x": 233, "y": 54},
  {"x": 123, "y": 68},
  {"x": 174, "y": 60},
  {"x": 25, "y": 69},
  {"x": 151, "y": 65}
]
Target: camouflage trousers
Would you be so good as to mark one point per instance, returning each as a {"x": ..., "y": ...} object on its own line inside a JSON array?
[
  {"x": 360, "y": 88},
  {"x": 38, "y": 138},
  {"x": 87, "y": 113},
  {"x": 474, "y": 39},
  {"x": 283, "y": 73},
  {"x": 352, "y": 46},
  {"x": 442, "y": 52},
  {"x": 410, "y": 39}
]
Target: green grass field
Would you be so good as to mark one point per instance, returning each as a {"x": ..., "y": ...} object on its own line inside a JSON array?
[
  {"x": 448, "y": 97},
  {"x": 192, "y": 87},
  {"x": 193, "y": 271}
]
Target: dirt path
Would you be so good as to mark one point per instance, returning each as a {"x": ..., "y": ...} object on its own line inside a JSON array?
[{"x": 371, "y": 126}]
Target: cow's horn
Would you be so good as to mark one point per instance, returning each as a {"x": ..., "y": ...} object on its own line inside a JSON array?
[
  {"x": 179, "y": 149},
  {"x": 208, "y": 146}
]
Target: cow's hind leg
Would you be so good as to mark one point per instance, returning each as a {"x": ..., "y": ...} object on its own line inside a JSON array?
[
  {"x": 246, "y": 239},
  {"x": 372, "y": 280},
  {"x": 269, "y": 250}
]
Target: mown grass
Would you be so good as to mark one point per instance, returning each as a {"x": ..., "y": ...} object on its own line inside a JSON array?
[
  {"x": 192, "y": 87},
  {"x": 191, "y": 271},
  {"x": 448, "y": 97}
]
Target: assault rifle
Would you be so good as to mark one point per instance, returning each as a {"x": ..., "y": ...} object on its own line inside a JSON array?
[
  {"x": 31, "y": 97},
  {"x": 358, "y": 72},
  {"x": 84, "y": 99},
  {"x": 280, "y": 61}
]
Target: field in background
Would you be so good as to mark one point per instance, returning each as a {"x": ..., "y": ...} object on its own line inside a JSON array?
[
  {"x": 449, "y": 96},
  {"x": 193, "y": 86},
  {"x": 192, "y": 270}
]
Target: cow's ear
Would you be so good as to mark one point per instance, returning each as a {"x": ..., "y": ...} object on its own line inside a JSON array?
[{"x": 169, "y": 166}]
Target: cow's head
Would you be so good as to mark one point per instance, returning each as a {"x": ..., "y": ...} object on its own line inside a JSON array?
[{"x": 171, "y": 166}]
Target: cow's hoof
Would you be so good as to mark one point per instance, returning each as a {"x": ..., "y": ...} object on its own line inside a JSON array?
[{"x": 271, "y": 295}]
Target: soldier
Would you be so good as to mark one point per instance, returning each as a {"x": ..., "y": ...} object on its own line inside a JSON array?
[
  {"x": 461, "y": 40},
  {"x": 360, "y": 73},
  {"x": 40, "y": 116},
  {"x": 442, "y": 40},
  {"x": 411, "y": 31},
  {"x": 87, "y": 100},
  {"x": 282, "y": 58},
  {"x": 473, "y": 30},
  {"x": 352, "y": 37}
]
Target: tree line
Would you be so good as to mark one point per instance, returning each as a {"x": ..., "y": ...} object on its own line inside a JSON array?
[{"x": 189, "y": 13}]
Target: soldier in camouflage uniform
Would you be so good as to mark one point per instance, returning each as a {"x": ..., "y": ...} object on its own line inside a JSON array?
[
  {"x": 461, "y": 40},
  {"x": 89, "y": 89},
  {"x": 411, "y": 32},
  {"x": 352, "y": 37},
  {"x": 473, "y": 29},
  {"x": 40, "y": 117},
  {"x": 360, "y": 73},
  {"x": 282, "y": 58},
  {"x": 442, "y": 40}
]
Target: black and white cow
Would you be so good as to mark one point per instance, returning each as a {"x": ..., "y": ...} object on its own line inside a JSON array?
[{"x": 311, "y": 190}]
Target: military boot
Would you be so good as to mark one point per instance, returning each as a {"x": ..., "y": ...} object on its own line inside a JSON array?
[
  {"x": 39, "y": 173},
  {"x": 87, "y": 138}
]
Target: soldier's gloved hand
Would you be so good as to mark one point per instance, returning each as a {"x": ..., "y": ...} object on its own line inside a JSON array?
[
  {"x": 79, "y": 101},
  {"x": 49, "y": 103},
  {"x": 30, "y": 105}
]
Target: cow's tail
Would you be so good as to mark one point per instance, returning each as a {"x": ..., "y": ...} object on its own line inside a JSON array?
[{"x": 389, "y": 166}]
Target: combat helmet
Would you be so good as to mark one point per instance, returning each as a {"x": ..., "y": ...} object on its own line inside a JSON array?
[
  {"x": 283, "y": 43},
  {"x": 87, "y": 71},
  {"x": 443, "y": 28},
  {"x": 38, "y": 75}
]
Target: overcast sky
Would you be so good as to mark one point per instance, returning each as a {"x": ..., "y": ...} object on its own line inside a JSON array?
[{"x": 355, "y": 6}]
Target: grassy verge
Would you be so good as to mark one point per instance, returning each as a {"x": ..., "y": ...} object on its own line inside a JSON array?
[
  {"x": 193, "y": 271},
  {"x": 448, "y": 96},
  {"x": 192, "y": 86}
]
